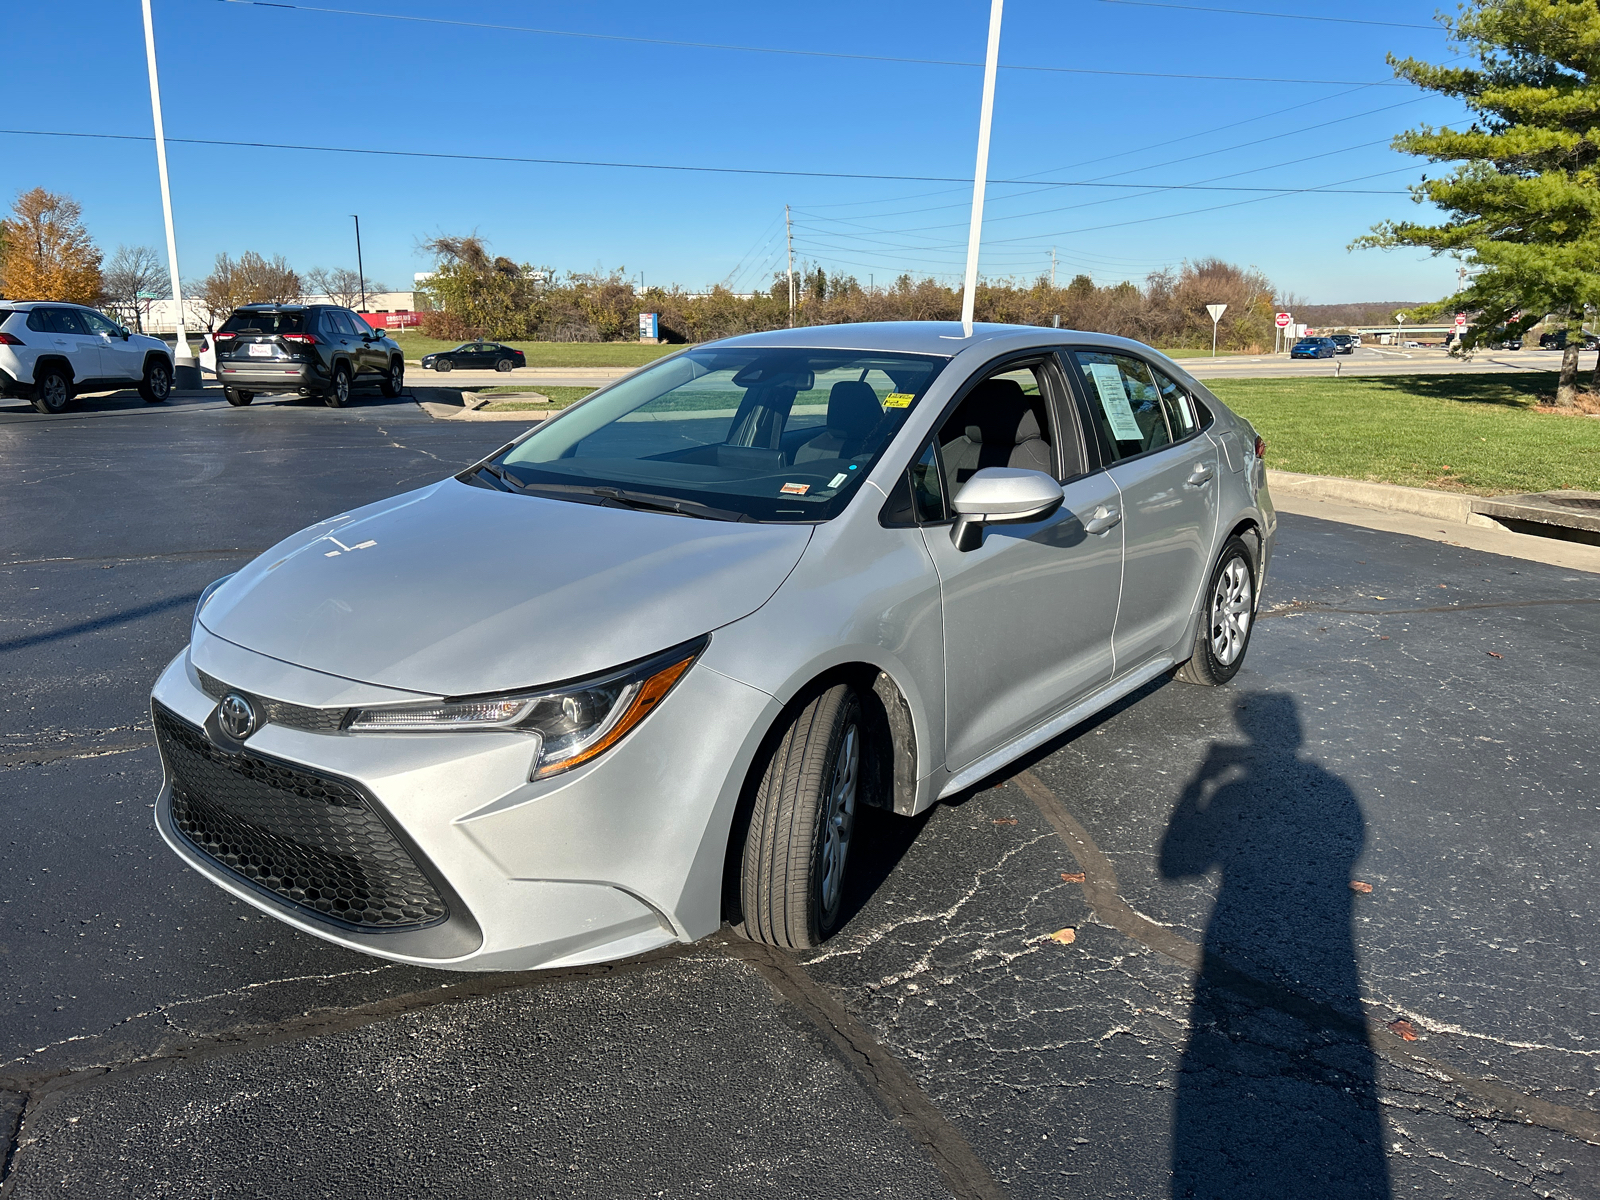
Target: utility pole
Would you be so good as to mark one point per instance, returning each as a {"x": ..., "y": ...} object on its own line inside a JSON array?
[
  {"x": 980, "y": 177},
  {"x": 185, "y": 371},
  {"x": 361, "y": 271},
  {"x": 788, "y": 230},
  {"x": 1053, "y": 268}
]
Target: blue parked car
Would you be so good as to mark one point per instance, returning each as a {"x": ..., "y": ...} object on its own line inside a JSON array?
[{"x": 1314, "y": 347}]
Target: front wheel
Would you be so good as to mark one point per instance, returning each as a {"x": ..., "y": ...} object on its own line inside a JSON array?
[
  {"x": 444, "y": 364},
  {"x": 394, "y": 380},
  {"x": 338, "y": 393},
  {"x": 51, "y": 391},
  {"x": 797, "y": 850},
  {"x": 1224, "y": 634},
  {"x": 157, "y": 383}
]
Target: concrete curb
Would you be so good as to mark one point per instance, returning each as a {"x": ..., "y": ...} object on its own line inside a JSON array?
[{"x": 1389, "y": 497}]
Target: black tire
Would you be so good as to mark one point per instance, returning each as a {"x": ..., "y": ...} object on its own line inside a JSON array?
[
  {"x": 1228, "y": 621},
  {"x": 505, "y": 364},
  {"x": 156, "y": 385},
  {"x": 443, "y": 364},
  {"x": 338, "y": 393},
  {"x": 394, "y": 379},
  {"x": 237, "y": 398},
  {"x": 52, "y": 390},
  {"x": 796, "y": 853}
]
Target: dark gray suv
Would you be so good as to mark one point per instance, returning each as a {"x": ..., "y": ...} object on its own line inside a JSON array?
[{"x": 303, "y": 350}]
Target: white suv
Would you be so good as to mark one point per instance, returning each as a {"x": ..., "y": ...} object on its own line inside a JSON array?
[{"x": 50, "y": 351}]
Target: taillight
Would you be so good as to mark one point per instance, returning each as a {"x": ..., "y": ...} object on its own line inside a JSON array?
[
  {"x": 303, "y": 339},
  {"x": 1261, "y": 447},
  {"x": 10, "y": 339},
  {"x": 225, "y": 337}
]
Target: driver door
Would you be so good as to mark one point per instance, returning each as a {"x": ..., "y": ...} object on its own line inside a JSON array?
[
  {"x": 120, "y": 358},
  {"x": 1028, "y": 615}
]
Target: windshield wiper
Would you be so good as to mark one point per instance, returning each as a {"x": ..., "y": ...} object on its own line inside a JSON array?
[
  {"x": 651, "y": 502},
  {"x": 504, "y": 478}
]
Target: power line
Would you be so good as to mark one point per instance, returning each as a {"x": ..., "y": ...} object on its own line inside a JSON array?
[
  {"x": 886, "y": 58},
  {"x": 1247, "y": 12},
  {"x": 557, "y": 162}
]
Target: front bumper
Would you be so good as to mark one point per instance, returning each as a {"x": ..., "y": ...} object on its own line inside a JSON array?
[{"x": 614, "y": 858}]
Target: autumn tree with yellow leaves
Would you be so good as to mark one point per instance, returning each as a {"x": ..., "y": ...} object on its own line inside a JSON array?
[{"x": 46, "y": 253}]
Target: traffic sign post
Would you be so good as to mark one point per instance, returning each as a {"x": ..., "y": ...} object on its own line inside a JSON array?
[
  {"x": 1284, "y": 320},
  {"x": 1216, "y": 311}
]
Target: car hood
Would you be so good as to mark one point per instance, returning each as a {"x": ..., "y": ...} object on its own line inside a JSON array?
[{"x": 455, "y": 589}]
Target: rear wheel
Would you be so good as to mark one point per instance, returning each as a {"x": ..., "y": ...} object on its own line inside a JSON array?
[
  {"x": 798, "y": 846},
  {"x": 237, "y": 398},
  {"x": 338, "y": 393},
  {"x": 505, "y": 364},
  {"x": 51, "y": 391},
  {"x": 157, "y": 383},
  {"x": 1224, "y": 634},
  {"x": 394, "y": 381}
]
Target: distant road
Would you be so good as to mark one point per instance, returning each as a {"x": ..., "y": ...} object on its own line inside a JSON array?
[{"x": 1371, "y": 360}]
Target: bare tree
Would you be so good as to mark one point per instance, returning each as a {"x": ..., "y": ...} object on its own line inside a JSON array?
[
  {"x": 134, "y": 279},
  {"x": 251, "y": 280},
  {"x": 341, "y": 285}
]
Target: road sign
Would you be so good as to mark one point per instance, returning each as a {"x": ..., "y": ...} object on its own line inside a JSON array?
[
  {"x": 1461, "y": 320},
  {"x": 1216, "y": 311},
  {"x": 1285, "y": 320}
]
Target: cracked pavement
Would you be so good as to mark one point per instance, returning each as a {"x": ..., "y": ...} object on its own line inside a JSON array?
[{"x": 1227, "y": 1019}]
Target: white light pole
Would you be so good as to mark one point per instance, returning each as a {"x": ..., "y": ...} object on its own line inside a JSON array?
[
  {"x": 186, "y": 372},
  {"x": 969, "y": 291}
]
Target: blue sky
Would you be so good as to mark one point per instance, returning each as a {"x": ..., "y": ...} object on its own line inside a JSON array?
[{"x": 241, "y": 72}]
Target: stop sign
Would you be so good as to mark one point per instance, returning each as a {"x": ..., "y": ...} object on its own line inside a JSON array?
[{"x": 1285, "y": 320}]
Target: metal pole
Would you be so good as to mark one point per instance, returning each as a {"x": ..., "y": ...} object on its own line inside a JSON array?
[
  {"x": 1052, "y": 268},
  {"x": 185, "y": 372},
  {"x": 361, "y": 271},
  {"x": 969, "y": 290},
  {"x": 788, "y": 228}
]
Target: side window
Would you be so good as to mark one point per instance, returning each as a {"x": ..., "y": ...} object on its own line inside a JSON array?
[
  {"x": 67, "y": 320},
  {"x": 1002, "y": 422},
  {"x": 358, "y": 323},
  {"x": 1124, "y": 402},
  {"x": 1179, "y": 407},
  {"x": 99, "y": 324},
  {"x": 39, "y": 320},
  {"x": 336, "y": 323},
  {"x": 927, "y": 491}
]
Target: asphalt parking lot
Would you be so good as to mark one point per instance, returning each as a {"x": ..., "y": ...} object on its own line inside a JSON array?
[{"x": 1221, "y": 1013}]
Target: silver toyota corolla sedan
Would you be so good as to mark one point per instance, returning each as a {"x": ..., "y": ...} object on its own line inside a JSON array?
[{"x": 636, "y": 673}]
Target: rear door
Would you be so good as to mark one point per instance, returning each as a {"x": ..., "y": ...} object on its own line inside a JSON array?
[
  {"x": 1149, "y": 433},
  {"x": 71, "y": 336}
]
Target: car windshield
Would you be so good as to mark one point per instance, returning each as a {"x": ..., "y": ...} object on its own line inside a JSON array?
[
  {"x": 264, "y": 322},
  {"x": 738, "y": 434}
]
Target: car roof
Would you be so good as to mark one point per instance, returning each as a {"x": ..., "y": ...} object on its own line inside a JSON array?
[
  {"x": 280, "y": 307},
  {"x": 26, "y": 305},
  {"x": 943, "y": 338}
]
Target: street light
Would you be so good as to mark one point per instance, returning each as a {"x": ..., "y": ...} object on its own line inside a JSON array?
[
  {"x": 969, "y": 290},
  {"x": 361, "y": 272},
  {"x": 185, "y": 371}
]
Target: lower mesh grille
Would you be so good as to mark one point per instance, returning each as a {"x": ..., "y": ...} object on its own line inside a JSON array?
[{"x": 312, "y": 839}]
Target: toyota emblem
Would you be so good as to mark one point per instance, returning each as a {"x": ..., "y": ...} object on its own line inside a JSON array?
[{"x": 236, "y": 717}]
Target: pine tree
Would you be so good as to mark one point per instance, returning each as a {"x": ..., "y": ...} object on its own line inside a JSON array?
[
  {"x": 1524, "y": 199},
  {"x": 48, "y": 254}
]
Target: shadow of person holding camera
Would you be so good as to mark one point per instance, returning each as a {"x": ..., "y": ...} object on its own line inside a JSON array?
[{"x": 1276, "y": 1093}]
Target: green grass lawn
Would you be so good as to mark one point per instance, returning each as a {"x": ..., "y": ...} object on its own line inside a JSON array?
[
  {"x": 1206, "y": 353},
  {"x": 552, "y": 354},
  {"x": 1466, "y": 433},
  {"x": 560, "y": 397}
]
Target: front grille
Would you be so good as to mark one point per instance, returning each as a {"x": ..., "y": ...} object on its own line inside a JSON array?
[
  {"x": 281, "y": 712},
  {"x": 312, "y": 839}
]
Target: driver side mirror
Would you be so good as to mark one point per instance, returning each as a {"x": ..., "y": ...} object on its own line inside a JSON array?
[{"x": 998, "y": 496}]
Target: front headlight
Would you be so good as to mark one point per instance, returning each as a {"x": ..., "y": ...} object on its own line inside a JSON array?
[
  {"x": 205, "y": 598},
  {"x": 574, "y": 722}
]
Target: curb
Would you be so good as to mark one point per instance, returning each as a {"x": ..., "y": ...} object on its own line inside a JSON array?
[{"x": 1389, "y": 497}]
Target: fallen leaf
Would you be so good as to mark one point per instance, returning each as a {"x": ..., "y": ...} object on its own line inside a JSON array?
[
  {"x": 1357, "y": 886},
  {"x": 1005, "y": 820},
  {"x": 1384, "y": 638},
  {"x": 1072, "y": 877},
  {"x": 1069, "y": 935},
  {"x": 1402, "y": 1029},
  {"x": 1492, "y": 654},
  {"x": 1380, "y": 597}
]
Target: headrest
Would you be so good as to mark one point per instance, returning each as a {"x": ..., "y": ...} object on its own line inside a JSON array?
[
  {"x": 1028, "y": 428},
  {"x": 853, "y": 408}
]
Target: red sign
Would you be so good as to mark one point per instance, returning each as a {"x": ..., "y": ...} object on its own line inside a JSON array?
[
  {"x": 1461, "y": 320},
  {"x": 392, "y": 320},
  {"x": 1285, "y": 320}
]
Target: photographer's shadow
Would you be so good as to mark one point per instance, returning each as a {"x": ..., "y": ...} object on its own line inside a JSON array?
[{"x": 1273, "y": 1099}]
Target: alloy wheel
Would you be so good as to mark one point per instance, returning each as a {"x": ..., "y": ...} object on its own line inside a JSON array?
[
  {"x": 53, "y": 391},
  {"x": 839, "y": 817},
  {"x": 1232, "y": 603}
]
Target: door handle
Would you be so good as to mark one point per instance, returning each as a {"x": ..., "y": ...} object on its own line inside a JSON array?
[
  {"x": 1201, "y": 475},
  {"x": 1104, "y": 519}
]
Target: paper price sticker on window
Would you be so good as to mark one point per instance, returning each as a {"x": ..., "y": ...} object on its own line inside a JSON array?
[
  {"x": 795, "y": 489},
  {"x": 1114, "y": 401},
  {"x": 898, "y": 400}
]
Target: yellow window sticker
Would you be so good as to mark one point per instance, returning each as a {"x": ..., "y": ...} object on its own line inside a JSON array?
[
  {"x": 795, "y": 489},
  {"x": 898, "y": 400}
]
